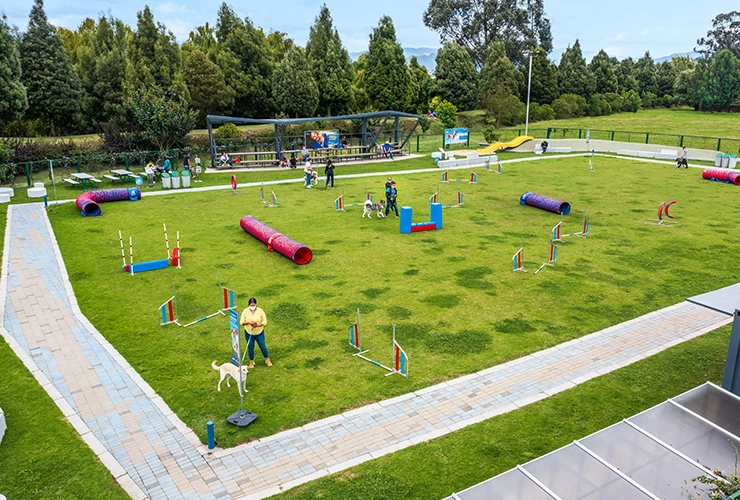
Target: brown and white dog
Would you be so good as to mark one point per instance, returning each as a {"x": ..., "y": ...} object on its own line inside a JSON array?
[
  {"x": 371, "y": 207},
  {"x": 229, "y": 369}
]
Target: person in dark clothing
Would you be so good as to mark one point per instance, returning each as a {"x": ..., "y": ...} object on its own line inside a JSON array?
[
  {"x": 329, "y": 172},
  {"x": 390, "y": 195},
  {"x": 544, "y": 146},
  {"x": 293, "y": 161},
  {"x": 684, "y": 160},
  {"x": 388, "y": 184}
]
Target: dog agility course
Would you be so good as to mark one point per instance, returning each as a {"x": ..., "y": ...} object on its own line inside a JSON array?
[{"x": 457, "y": 305}]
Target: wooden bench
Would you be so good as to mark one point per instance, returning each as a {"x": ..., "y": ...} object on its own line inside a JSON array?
[{"x": 71, "y": 181}]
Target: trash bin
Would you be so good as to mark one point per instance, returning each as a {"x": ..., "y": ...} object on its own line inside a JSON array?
[
  {"x": 718, "y": 160},
  {"x": 185, "y": 179},
  {"x": 166, "y": 184},
  {"x": 175, "y": 177},
  {"x": 726, "y": 161},
  {"x": 733, "y": 161}
]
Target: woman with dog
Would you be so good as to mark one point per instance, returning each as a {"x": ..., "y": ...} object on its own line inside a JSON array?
[
  {"x": 390, "y": 195},
  {"x": 253, "y": 320}
]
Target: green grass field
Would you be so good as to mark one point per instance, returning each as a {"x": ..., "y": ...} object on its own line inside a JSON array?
[{"x": 457, "y": 305}]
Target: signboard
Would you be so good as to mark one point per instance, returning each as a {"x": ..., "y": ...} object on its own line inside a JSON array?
[
  {"x": 322, "y": 139},
  {"x": 456, "y": 136},
  {"x": 235, "y": 344}
]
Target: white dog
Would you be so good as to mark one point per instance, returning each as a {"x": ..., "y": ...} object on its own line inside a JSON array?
[
  {"x": 231, "y": 370},
  {"x": 371, "y": 207}
]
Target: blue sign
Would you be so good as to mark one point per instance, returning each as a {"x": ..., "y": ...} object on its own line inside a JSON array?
[
  {"x": 456, "y": 136},
  {"x": 235, "y": 340}
]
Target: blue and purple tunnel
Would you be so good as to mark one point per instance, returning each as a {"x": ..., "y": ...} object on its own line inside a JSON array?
[
  {"x": 545, "y": 203},
  {"x": 88, "y": 201}
]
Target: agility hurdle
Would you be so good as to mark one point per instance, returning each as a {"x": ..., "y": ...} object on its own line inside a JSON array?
[
  {"x": 228, "y": 303},
  {"x": 473, "y": 178},
  {"x": 663, "y": 209},
  {"x": 400, "y": 359},
  {"x": 339, "y": 202},
  {"x": 499, "y": 170},
  {"x": 518, "y": 260},
  {"x": 552, "y": 257},
  {"x": 140, "y": 267},
  {"x": 273, "y": 204},
  {"x": 584, "y": 230},
  {"x": 460, "y": 199},
  {"x": 168, "y": 311},
  {"x": 445, "y": 176},
  {"x": 406, "y": 226}
]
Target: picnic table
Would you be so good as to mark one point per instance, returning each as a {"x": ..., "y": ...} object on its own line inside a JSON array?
[
  {"x": 122, "y": 175},
  {"x": 84, "y": 179}
]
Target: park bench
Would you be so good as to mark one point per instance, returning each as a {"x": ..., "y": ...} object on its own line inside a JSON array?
[
  {"x": 551, "y": 149},
  {"x": 71, "y": 181},
  {"x": 111, "y": 177}
]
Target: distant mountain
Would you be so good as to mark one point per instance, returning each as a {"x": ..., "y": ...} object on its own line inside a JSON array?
[
  {"x": 692, "y": 55},
  {"x": 425, "y": 55},
  {"x": 557, "y": 54}
]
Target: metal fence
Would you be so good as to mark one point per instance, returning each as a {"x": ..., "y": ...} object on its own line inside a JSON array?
[{"x": 419, "y": 143}]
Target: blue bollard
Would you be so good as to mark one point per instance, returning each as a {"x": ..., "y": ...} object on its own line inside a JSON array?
[
  {"x": 211, "y": 438},
  {"x": 46, "y": 201}
]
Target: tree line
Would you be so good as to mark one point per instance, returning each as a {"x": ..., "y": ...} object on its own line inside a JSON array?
[{"x": 137, "y": 87}]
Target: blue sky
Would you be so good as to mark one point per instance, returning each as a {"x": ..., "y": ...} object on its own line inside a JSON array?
[{"x": 621, "y": 27}]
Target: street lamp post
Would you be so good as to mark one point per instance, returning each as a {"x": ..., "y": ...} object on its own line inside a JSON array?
[{"x": 529, "y": 90}]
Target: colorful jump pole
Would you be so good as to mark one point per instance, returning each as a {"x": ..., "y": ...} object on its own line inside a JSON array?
[
  {"x": 167, "y": 312},
  {"x": 445, "y": 176},
  {"x": 557, "y": 231},
  {"x": 498, "y": 170},
  {"x": 400, "y": 359},
  {"x": 552, "y": 257},
  {"x": 473, "y": 178},
  {"x": 518, "y": 260},
  {"x": 584, "y": 229}
]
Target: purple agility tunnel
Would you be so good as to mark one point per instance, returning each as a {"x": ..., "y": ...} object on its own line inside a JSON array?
[
  {"x": 545, "y": 203},
  {"x": 276, "y": 241},
  {"x": 88, "y": 201}
]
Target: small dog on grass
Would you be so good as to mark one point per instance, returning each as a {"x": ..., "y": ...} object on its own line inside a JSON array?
[
  {"x": 231, "y": 370},
  {"x": 371, "y": 207}
]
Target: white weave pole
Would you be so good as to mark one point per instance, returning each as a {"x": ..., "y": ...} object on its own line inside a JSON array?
[
  {"x": 166, "y": 241},
  {"x": 131, "y": 253},
  {"x": 123, "y": 252},
  {"x": 179, "y": 255}
]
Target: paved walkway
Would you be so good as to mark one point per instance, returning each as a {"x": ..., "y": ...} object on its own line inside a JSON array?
[{"x": 152, "y": 454}]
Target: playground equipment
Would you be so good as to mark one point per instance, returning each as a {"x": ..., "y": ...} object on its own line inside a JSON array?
[
  {"x": 88, "y": 201},
  {"x": 445, "y": 176},
  {"x": 400, "y": 358},
  {"x": 725, "y": 176},
  {"x": 460, "y": 199},
  {"x": 506, "y": 145},
  {"x": 435, "y": 223},
  {"x": 473, "y": 178},
  {"x": 545, "y": 203},
  {"x": 663, "y": 209},
  {"x": 275, "y": 241},
  {"x": 552, "y": 257},
  {"x": 518, "y": 260},
  {"x": 151, "y": 265},
  {"x": 584, "y": 228},
  {"x": 168, "y": 310},
  {"x": 272, "y": 204},
  {"x": 339, "y": 204},
  {"x": 499, "y": 170}
]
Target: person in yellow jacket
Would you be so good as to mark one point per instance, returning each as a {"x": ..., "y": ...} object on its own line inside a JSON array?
[{"x": 253, "y": 320}]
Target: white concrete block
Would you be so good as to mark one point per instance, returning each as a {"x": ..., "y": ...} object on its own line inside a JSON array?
[
  {"x": 38, "y": 184},
  {"x": 36, "y": 192},
  {"x": 4, "y": 198},
  {"x": 3, "y": 425},
  {"x": 8, "y": 191}
]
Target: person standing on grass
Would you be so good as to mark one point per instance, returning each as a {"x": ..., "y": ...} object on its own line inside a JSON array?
[
  {"x": 329, "y": 171},
  {"x": 684, "y": 159},
  {"x": 307, "y": 171},
  {"x": 390, "y": 196},
  {"x": 253, "y": 320}
]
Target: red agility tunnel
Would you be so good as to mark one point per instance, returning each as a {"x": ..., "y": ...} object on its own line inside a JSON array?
[
  {"x": 276, "y": 241},
  {"x": 721, "y": 176}
]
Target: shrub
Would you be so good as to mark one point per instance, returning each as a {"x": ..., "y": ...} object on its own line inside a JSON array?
[
  {"x": 447, "y": 113},
  {"x": 615, "y": 101},
  {"x": 649, "y": 100},
  {"x": 228, "y": 131},
  {"x": 631, "y": 101},
  {"x": 5, "y": 152},
  {"x": 491, "y": 134},
  {"x": 539, "y": 112},
  {"x": 546, "y": 112},
  {"x": 599, "y": 106},
  {"x": 569, "y": 106}
]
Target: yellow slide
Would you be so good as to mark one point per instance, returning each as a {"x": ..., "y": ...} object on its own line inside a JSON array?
[{"x": 506, "y": 145}]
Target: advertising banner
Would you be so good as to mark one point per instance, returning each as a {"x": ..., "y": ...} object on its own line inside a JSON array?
[{"x": 456, "y": 136}]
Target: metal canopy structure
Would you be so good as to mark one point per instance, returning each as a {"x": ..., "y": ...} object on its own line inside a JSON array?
[
  {"x": 369, "y": 138},
  {"x": 652, "y": 455}
]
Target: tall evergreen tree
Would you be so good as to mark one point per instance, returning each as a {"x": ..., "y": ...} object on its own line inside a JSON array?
[
  {"x": 330, "y": 63},
  {"x": 52, "y": 85},
  {"x": 74, "y": 41},
  {"x": 387, "y": 79},
  {"x": 13, "y": 100},
  {"x": 456, "y": 79},
  {"x": 604, "y": 76},
  {"x": 645, "y": 75},
  {"x": 153, "y": 54},
  {"x": 721, "y": 81},
  {"x": 202, "y": 38},
  {"x": 206, "y": 83},
  {"x": 279, "y": 45},
  {"x": 422, "y": 86},
  {"x": 544, "y": 88},
  {"x": 293, "y": 86},
  {"x": 625, "y": 77},
  {"x": 102, "y": 69},
  {"x": 574, "y": 77},
  {"x": 227, "y": 22},
  {"x": 665, "y": 76}
]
